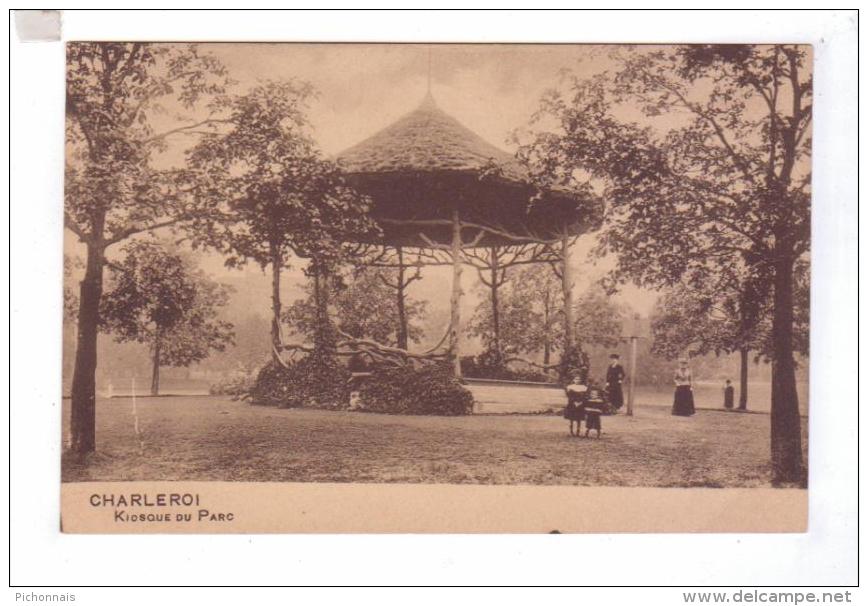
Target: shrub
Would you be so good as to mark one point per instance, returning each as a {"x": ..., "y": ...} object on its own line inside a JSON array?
[
  {"x": 428, "y": 390},
  {"x": 528, "y": 374},
  {"x": 481, "y": 367},
  {"x": 574, "y": 362},
  {"x": 237, "y": 385},
  {"x": 316, "y": 381}
]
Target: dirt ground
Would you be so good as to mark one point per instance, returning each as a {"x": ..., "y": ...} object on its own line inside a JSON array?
[{"x": 214, "y": 438}]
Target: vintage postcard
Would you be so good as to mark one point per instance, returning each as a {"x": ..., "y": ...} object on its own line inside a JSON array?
[{"x": 436, "y": 287}]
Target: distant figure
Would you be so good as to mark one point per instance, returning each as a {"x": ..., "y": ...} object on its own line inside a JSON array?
[
  {"x": 614, "y": 378},
  {"x": 728, "y": 395},
  {"x": 575, "y": 410},
  {"x": 683, "y": 405}
]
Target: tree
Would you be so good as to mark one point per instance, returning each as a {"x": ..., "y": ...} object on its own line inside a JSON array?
[
  {"x": 278, "y": 196},
  {"x": 493, "y": 264},
  {"x": 156, "y": 297},
  {"x": 112, "y": 190},
  {"x": 527, "y": 319},
  {"x": 599, "y": 321},
  {"x": 364, "y": 309},
  {"x": 251, "y": 347},
  {"x": 720, "y": 312},
  {"x": 719, "y": 171},
  {"x": 544, "y": 326},
  {"x": 695, "y": 322},
  {"x": 531, "y": 316},
  {"x": 731, "y": 315}
]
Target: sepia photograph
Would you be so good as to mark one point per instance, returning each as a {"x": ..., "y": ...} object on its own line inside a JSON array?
[
  {"x": 452, "y": 265},
  {"x": 392, "y": 299}
]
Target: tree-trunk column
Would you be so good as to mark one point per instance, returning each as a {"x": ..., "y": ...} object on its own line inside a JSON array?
[
  {"x": 495, "y": 305},
  {"x": 402, "y": 311},
  {"x": 455, "y": 302},
  {"x": 567, "y": 283},
  {"x": 276, "y": 265}
]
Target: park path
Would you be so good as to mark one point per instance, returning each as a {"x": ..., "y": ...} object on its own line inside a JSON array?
[
  {"x": 214, "y": 438},
  {"x": 511, "y": 399}
]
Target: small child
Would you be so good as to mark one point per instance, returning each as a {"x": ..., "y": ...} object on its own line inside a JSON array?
[
  {"x": 574, "y": 412},
  {"x": 592, "y": 409},
  {"x": 728, "y": 395}
]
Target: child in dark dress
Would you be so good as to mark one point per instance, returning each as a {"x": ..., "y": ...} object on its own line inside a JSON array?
[
  {"x": 728, "y": 395},
  {"x": 574, "y": 411}
]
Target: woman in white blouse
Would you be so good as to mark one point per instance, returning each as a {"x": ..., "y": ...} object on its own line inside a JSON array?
[{"x": 683, "y": 405}]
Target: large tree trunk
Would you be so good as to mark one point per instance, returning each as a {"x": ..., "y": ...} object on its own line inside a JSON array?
[
  {"x": 742, "y": 379},
  {"x": 155, "y": 371},
  {"x": 786, "y": 430},
  {"x": 455, "y": 300},
  {"x": 83, "y": 422},
  {"x": 495, "y": 305},
  {"x": 402, "y": 332},
  {"x": 276, "y": 266}
]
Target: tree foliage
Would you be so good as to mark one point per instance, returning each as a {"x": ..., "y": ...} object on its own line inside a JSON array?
[
  {"x": 364, "y": 307},
  {"x": 277, "y": 195},
  {"x": 693, "y": 184},
  {"x": 526, "y": 323},
  {"x": 156, "y": 297},
  {"x": 703, "y": 153},
  {"x": 115, "y": 92},
  {"x": 70, "y": 299},
  {"x": 699, "y": 319},
  {"x": 531, "y": 315},
  {"x": 599, "y": 321},
  {"x": 250, "y": 349},
  {"x": 272, "y": 183},
  {"x": 690, "y": 322}
]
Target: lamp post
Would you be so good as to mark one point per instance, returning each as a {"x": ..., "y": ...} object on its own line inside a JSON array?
[{"x": 634, "y": 338}]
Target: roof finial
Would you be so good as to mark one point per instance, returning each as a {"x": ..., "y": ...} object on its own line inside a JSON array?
[{"x": 428, "y": 101}]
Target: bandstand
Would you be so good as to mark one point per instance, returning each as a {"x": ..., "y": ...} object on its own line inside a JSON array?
[{"x": 443, "y": 195}]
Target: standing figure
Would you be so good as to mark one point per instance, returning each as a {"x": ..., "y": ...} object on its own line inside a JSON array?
[
  {"x": 728, "y": 395},
  {"x": 575, "y": 409},
  {"x": 683, "y": 405},
  {"x": 593, "y": 409},
  {"x": 614, "y": 378}
]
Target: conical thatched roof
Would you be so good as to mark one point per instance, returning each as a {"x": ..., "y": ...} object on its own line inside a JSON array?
[
  {"x": 427, "y": 164},
  {"x": 428, "y": 139}
]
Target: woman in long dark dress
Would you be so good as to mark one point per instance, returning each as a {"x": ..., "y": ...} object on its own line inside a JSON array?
[
  {"x": 614, "y": 377},
  {"x": 683, "y": 405}
]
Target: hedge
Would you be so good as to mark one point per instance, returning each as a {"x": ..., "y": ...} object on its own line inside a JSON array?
[
  {"x": 429, "y": 390},
  {"x": 312, "y": 382}
]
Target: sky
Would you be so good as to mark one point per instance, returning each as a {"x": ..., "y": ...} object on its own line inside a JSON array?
[
  {"x": 492, "y": 89},
  {"x": 362, "y": 88}
]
